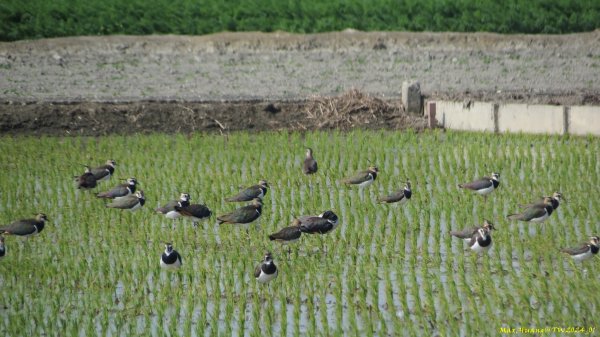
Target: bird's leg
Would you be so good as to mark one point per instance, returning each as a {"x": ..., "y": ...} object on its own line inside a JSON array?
[{"x": 247, "y": 232}]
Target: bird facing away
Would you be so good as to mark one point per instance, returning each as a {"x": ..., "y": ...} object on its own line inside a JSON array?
[
  {"x": 287, "y": 234},
  {"x": 195, "y": 212},
  {"x": 481, "y": 241},
  {"x": 169, "y": 211},
  {"x": 483, "y": 186},
  {"x": 87, "y": 180},
  {"x": 242, "y": 215},
  {"x": 2, "y": 247},
  {"x": 554, "y": 200},
  {"x": 310, "y": 164},
  {"x": 104, "y": 172},
  {"x": 586, "y": 251},
  {"x": 170, "y": 259},
  {"x": 536, "y": 213},
  {"x": 321, "y": 224},
  {"x": 131, "y": 202},
  {"x": 266, "y": 270},
  {"x": 120, "y": 191},
  {"x": 467, "y": 233},
  {"x": 362, "y": 178},
  {"x": 26, "y": 227},
  {"x": 401, "y": 197},
  {"x": 252, "y": 192}
]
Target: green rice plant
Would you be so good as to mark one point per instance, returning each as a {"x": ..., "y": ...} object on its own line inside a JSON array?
[{"x": 391, "y": 269}]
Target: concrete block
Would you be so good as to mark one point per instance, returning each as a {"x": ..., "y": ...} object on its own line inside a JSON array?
[
  {"x": 584, "y": 120},
  {"x": 411, "y": 97},
  {"x": 430, "y": 110},
  {"x": 531, "y": 118},
  {"x": 470, "y": 116}
]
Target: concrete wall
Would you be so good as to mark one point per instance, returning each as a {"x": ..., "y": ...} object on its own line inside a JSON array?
[
  {"x": 475, "y": 116},
  {"x": 531, "y": 118},
  {"x": 482, "y": 116},
  {"x": 584, "y": 120}
]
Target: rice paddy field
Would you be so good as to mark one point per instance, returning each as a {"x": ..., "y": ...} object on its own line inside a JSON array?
[{"x": 386, "y": 270}]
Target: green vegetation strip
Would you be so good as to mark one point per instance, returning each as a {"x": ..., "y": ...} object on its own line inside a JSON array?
[
  {"x": 39, "y": 18},
  {"x": 386, "y": 270}
]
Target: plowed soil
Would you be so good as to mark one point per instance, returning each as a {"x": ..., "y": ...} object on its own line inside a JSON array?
[{"x": 274, "y": 81}]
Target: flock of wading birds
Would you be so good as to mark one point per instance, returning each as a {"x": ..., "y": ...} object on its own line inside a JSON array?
[{"x": 127, "y": 197}]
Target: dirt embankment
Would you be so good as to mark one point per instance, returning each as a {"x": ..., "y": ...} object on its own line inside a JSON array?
[{"x": 258, "y": 81}]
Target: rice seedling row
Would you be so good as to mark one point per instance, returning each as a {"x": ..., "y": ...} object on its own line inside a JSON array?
[{"x": 386, "y": 269}]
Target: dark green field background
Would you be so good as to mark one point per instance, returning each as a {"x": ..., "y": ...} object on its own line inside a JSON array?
[{"x": 32, "y": 19}]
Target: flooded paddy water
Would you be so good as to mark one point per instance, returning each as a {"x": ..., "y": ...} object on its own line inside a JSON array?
[{"x": 386, "y": 270}]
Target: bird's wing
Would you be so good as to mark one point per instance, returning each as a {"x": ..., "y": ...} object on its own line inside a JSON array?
[
  {"x": 358, "y": 178},
  {"x": 465, "y": 233},
  {"x": 100, "y": 172},
  {"x": 479, "y": 184},
  {"x": 310, "y": 165},
  {"x": 287, "y": 233},
  {"x": 315, "y": 225},
  {"x": 170, "y": 206},
  {"x": 195, "y": 210},
  {"x": 20, "y": 227},
  {"x": 124, "y": 203},
  {"x": 577, "y": 250},
  {"x": 117, "y": 191},
  {"x": 246, "y": 194},
  {"x": 257, "y": 270},
  {"x": 394, "y": 197},
  {"x": 241, "y": 215},
  {"x": 534, "y": 212}
]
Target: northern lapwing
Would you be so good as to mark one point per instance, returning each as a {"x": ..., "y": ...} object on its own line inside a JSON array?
[
  {"x": 586, "y": 251},
  {"x": 26, "y": 227},
  {"x": 363, "y": 178},
  {"x": 195, "y": 212},
  {"x": 120, "y": 191},
  {"x": 266, "y": 270},
  {"x": 104, "y": 172},
  {"x": 321, "y": 224},
  {"x": 242, "y": 215},
  {"x": 483, "y": 186},
  {"x": 536, "y": 213},
  {"x": 86, "y": 181},
  {"x": 252, "y": 192},
  {"x": 170, "y": 259},
  {"x": 169, "y": 211},
  {"x": 481, "y": 241},
  {"x": 401, "y": 197},
  {"x": 287, "y": 234},
  {"x": 2, "y": 247},
  {"x": 131, "y": 202},
  {"x": 467, "y": 233},
  {"x": 310, "y": 164},
  {"x": 554, "y": 200}
]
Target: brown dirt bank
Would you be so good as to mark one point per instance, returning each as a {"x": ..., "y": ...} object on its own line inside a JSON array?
[{"x": 93, "y": 119}]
